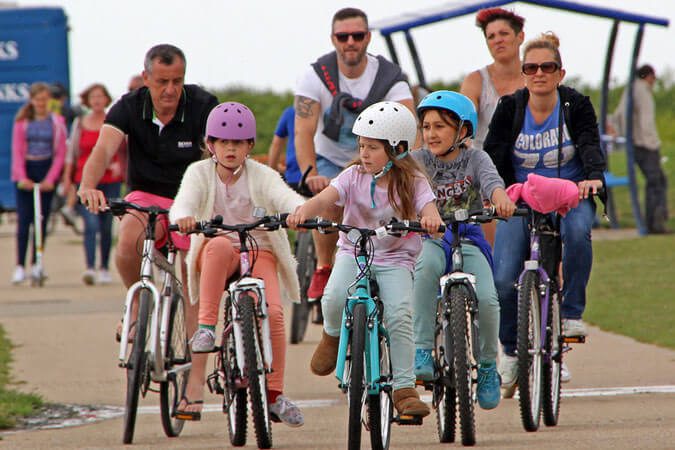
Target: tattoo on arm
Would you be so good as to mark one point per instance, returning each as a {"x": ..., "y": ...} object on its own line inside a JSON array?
[{"x": 303, "y": 106}]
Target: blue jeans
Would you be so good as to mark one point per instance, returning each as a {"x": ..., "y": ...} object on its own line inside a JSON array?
[
  {"x": 429, "y": 269},
  {"x": 396, "y": 291},
  {"x": 98, "y": 225},
  {"x": 326, "y": 168},
  {"x": 35, "y": 171},
  {"x": 512, "y": 249}
]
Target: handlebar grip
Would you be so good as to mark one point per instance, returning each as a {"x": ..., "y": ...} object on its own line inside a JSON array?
[
  {"x": 173, "y": 227},
  {"x": 523, "y": 212}
]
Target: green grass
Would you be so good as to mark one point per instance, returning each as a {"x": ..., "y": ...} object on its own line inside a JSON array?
[
  {"x": 631, "y": 291},
  {"x": 13, "y": 404}
]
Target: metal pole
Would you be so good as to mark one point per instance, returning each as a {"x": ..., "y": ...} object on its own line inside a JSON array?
[
  {"x": 416, "y": 59},
  {"x": 604, "y": 99},
  {"x": 392, "y": 49}
]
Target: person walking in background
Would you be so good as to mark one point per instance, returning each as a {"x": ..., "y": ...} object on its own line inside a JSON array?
[
  {"x": 284, "y": 137},
  {"x": 551, "y": 130},
  {"x": 38, "y": 152},
  {"x": 83, "y": 137},
  {"x": 503, "y": 32},
  {"x": 328, "y": 97},
  {"x": 647, "y": 146}
]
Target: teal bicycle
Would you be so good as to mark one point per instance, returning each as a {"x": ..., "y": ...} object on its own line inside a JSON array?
[{"x": 363, "y": 365}]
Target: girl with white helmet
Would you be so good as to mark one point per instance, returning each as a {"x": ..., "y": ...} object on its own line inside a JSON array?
[
  {"x": 382, "y": 183},
  {"x": 230, "y": 184},
  {"x": 463, "y": 178}
]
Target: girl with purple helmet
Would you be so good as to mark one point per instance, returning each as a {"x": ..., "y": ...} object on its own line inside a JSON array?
[{"x": 230, "y": 184}]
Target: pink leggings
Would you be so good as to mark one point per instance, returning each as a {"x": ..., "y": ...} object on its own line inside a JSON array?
[{"x": 218, "y": 260}]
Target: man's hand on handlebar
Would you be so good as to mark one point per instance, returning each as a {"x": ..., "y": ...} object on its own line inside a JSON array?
[
  {"x": 317, "y": 183},
  {"x": 93, "y": 199}
]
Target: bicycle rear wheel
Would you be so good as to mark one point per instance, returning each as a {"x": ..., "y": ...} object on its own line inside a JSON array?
[
  {"x": 380, "y": 406},
  {"x": 444, "y": 393},
  {"x": 553, "y": 363},
  {"x": 462, "y": 352},
  {"x": 529, "y": 351},
  {"x": 356, "y": 382},
  {"x": 136, "y": 366},
  {"x": 255, "y": 369},
  {"x": 306, "y": 256},
  {"x": 173, "y": 389}
]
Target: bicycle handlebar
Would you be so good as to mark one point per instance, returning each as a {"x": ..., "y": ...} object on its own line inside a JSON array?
[
  {"x": 211, "y": 227},
  {"x": 119, "y": 207}
]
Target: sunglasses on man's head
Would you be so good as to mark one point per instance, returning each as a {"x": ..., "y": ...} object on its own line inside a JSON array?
[
  {"x": 358, "y": 36},
  {"x": 547, "y": 67}
]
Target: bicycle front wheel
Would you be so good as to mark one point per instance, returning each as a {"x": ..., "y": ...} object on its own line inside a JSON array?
[
  {"x": 255, "y": 369},
  {"x": 380, "y": 406},
  {"x": 305, "y": 254},
  {"x": 173, "y": 389},
  {"x": 529, "y": 351},
  {"x": 553, "y": 363},
  {"x": 234, "y": 396},
  {"x": 136, "y": 366},
  {"x": 356, "y": 376},
  {"x": 462, "y": 352}
]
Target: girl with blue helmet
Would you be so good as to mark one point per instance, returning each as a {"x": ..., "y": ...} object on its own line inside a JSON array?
[{"x": 462, "y": 178}]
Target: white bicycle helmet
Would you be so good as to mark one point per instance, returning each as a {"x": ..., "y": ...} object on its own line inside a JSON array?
[{"x": 389, "y": 121}]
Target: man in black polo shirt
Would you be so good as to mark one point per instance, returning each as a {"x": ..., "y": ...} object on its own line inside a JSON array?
[{"x": 164, "y": 122}]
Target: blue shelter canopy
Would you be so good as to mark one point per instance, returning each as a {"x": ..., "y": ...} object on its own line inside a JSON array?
[{"x": 406, "y": 22}]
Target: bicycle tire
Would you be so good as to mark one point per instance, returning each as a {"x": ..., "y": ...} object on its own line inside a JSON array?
[
  {"x": 356, "y": 383},
  {"x": 529, "y": 354},
  {"x": 172, "y": 390},
  {"x": 306, "y": 256},
  {"x": 257, "y": 382},
  {"x": 459, "y": 300},
  {"x": 552, "y": 367},
  {"x": 380, "y": 406},
  {"x": 136, "y": 366},
  {"x": 444, "y": 392},
  {"x": 234, "y": 398}
]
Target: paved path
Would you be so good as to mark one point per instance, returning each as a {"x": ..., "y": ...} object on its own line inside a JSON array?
[{"x": 65, "y": 352}]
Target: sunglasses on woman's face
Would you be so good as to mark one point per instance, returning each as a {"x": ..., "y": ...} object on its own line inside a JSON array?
[
  {"x": 358, "y": 36},
  {"x": 547, "y": 67}
]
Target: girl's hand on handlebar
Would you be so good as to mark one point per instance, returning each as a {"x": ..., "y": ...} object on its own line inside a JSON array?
[
  {"x": 296, "y": 217},
  {"x": 186, "y": 224},
  {"x": 431, "y": 223},
  {"x": 588, "y": 187},
  {"x": 502, "y": 203}
]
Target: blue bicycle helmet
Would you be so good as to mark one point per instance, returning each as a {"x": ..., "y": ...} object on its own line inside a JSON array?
[{"x": 457, "y": 104}]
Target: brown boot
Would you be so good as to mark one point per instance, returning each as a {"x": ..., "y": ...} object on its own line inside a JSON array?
[
  {"x": 407, "y": 402},
  {"x": 325, "y": 355}
]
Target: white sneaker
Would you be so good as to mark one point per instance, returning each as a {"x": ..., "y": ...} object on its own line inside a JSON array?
[
  {"x": 508, "y": 370},
  {"x": 19, "y": 275},
  {"x": 37, "y": 273},
  {"x": 104, "y": 277},
  {"x": 565, "y": 374},
  {"x": 88, "y": 277},
  {"x": 574, "y": 327}
]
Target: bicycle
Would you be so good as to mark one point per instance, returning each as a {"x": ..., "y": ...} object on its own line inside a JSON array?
[
  {"x": 363, "y": 366},
  {"x": 540, "y": 341},
  {"x": 305, "y": 253},
  {"x": 244, "y": 357},
  {"x": 457, "y": 351},
  {"x": 164, "y": 358}
]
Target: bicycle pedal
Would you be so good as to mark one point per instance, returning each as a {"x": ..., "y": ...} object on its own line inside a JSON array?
[
  {"x": 408, "y": 420},
  {"x": 574, "y": 339}
]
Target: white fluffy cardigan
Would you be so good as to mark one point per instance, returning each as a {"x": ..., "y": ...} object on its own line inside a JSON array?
[{"x": 196, "y": 197}]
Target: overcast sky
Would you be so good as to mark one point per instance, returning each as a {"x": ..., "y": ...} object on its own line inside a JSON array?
[{"x": 266, "y": 43}]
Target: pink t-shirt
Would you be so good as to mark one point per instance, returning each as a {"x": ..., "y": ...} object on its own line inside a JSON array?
[{"x": 353, "y": 186}]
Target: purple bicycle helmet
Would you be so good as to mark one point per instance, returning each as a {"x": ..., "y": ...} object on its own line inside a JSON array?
[{"x": 231, "y": 120}]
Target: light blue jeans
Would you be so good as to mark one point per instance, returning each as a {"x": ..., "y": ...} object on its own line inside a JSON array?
[
  {"x": 429, "y": 269},
  {"x": 396, "y": 290},
  {"x": 511, "y": 249}
]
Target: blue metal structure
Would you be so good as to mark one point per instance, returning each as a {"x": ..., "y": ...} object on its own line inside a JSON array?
[
  {"x": 406, "y": 22},
  {"x": 33, "y": 47}
]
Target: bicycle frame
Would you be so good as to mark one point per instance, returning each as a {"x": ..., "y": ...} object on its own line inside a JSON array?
[
  {"x": 161, "y": 303},
  {"x": 362, "y": 295},
  {"x": 533, "y": 265}
]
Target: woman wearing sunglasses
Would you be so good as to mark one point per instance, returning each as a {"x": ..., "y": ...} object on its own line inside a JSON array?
[{"x": 550, "y": 130}]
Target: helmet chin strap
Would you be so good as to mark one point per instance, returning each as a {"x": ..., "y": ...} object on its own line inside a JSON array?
[
  {"x": 387, "y": 167},
  {"x": 457, "y": 142},
  {"x": 214, "y": 158}
]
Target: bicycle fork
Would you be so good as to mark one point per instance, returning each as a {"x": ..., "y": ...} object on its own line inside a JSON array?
[{"x": 238, "y": 288}]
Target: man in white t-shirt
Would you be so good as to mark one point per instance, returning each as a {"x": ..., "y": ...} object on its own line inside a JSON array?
[{"x": 328, "y": 98}]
